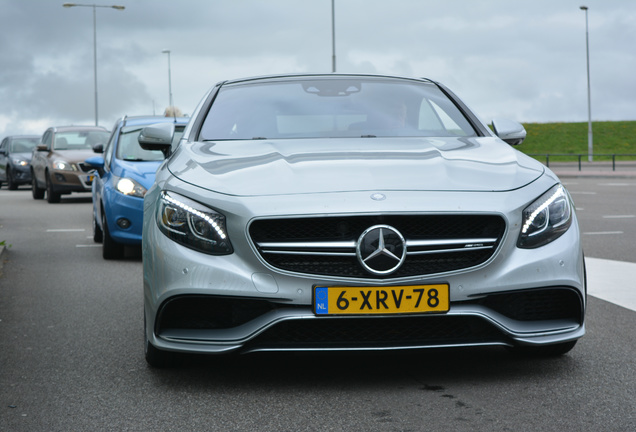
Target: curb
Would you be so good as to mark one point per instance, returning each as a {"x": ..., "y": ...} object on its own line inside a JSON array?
[
  {"x": 599, "y": 173},
  {"x": 593, "y": 169},
  {"x": 578, "y": 174}
]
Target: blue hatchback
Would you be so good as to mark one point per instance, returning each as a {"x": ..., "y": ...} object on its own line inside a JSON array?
[{"x": 125, "y": 172}]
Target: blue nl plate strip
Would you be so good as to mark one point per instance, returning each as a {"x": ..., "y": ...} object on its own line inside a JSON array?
[{"x": 321, "y": 301}]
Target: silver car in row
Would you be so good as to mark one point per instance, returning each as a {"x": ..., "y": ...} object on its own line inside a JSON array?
[{"x": 354, "y": 212}]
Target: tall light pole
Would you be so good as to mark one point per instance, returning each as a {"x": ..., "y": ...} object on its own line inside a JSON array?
[
  {"x": 590, "y": 145},
  {"x": 169, "y": 78},
  {"x": 333, "y": 37},
  {"x": 94, "y": 6}
]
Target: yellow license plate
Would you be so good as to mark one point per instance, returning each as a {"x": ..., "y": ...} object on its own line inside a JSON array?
[{"x": 381, "y": 300}]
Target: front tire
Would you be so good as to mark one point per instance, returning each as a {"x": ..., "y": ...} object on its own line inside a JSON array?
[
  {"x": 157, "y": 358},
  {"x": 36, "y": 191},
  {"x": 110, "y": 248},
  {"x": 51, "y": 196},
  {"x": 11, "y": 184},
  {"x": 98, "y": 235}
]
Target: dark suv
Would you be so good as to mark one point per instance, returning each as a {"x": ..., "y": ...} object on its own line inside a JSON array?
[
  {"x": 15, "y": 155},
  {"x": 57, "y": 165}
]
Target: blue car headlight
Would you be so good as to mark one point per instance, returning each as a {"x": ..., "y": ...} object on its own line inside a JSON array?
[
  {"x": 129, "y": 187},
  {"x": 192, "y": 224},
  {"x": 546, "y": 219}
]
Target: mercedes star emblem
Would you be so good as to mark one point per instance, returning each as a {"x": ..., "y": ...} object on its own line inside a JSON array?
[{"x": 381, "y": 249}]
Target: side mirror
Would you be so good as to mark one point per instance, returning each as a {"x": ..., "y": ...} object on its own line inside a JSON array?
[
  {"x": 99, "y": 148},
  {"x": 157, "y": 137},
  {"x": 42, "y": 147},
  {"x": 96, "y": 162},
  {"x": 509, "y": 131}
]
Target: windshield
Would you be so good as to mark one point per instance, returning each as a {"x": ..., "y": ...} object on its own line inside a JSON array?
[
  {"x": 130, "y": 150},
  {"x": 333, "y": 108},
  {"x": 78, "y": 140},
  {"x": 24, "y": 145}
]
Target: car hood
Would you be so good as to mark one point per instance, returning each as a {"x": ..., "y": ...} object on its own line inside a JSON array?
[
  {"x": 77, "y": 156},
  {"x": 277, "y": 167},
  {"x": 142, "y": 172},
  {"x": 21, "y": 155}
]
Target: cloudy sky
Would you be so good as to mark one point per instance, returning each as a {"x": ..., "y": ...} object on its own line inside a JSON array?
[{"x": 524, "y": 60}]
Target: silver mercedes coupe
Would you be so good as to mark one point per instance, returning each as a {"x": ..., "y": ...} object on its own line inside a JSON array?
[{"x": 344, "y": 212}]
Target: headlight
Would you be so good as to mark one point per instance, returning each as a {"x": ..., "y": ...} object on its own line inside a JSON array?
[
  {"x": 129, "y": 187},
  {"x": 63, "y": 166},
  {"x": 20, "y": 162},
  {"x": 546, "y": 219},
  {"x": 192, "y": 224}
]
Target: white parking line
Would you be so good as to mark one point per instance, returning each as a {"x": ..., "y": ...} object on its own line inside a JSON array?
[
  {"x": 95, "y": 245},
  {"x": 612, "y": 281},
  {"x": 65, "y": 230},
  {"x": 618, "y": 216},
  {"x": 603, "y": 233},
  {"x": 582, "y": 193}
]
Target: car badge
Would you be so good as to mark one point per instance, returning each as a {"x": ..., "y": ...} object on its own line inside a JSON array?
[
  {"x": 378, "y": 196},
  {"x": 381, "y": 249}
]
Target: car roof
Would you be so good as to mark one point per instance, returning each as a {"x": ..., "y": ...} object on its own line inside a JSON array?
[
  {"x": 78, "y": 128},
  {"x": 144, "y": 120},
  {"x": 322, "y": 76},
  {"x": 23, "y": 136}
]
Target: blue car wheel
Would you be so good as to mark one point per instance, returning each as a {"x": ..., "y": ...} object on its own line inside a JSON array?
[{"x": 110, "y": 249}]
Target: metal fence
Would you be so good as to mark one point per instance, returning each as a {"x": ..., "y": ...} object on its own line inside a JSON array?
[{"x": 630, "y": 157}]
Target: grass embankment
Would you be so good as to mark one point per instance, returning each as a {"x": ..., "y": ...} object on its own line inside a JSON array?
[{"x": 609, "y": 138}]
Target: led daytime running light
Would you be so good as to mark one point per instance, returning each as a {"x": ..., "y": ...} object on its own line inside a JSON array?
[
  {"x": 196, "y": 213},
  {"x": 540, "y": 210}
]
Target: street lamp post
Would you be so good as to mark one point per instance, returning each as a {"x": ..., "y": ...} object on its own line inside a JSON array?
[
  {"x": 169, "y": 79},
  {"x": 590, "y": 151},
  {"x": 333, "y": 36},
  {"x": 94, "y": 6}
]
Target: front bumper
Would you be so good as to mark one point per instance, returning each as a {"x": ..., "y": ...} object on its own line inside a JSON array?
[
  {"x": 125, "y": 216},
  {"x": 183, "y": 288},
  {"x": 71, "y": 181},
  {"x": 21, "y": 174},
  {"x": 194, "y": 324}
]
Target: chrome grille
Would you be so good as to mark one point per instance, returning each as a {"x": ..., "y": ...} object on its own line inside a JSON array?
[{"x": 327, "y": 245}]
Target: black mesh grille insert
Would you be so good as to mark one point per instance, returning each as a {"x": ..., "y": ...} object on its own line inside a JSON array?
[
  {"x": 349, "y": 229},
  {"x": 537, "y": 304},
  {"x": 209, "y": 312},
  {"x": 377, "y": 332}
]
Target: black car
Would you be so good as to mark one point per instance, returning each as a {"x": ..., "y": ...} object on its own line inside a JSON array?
[{"x": 15, "y": 156}]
